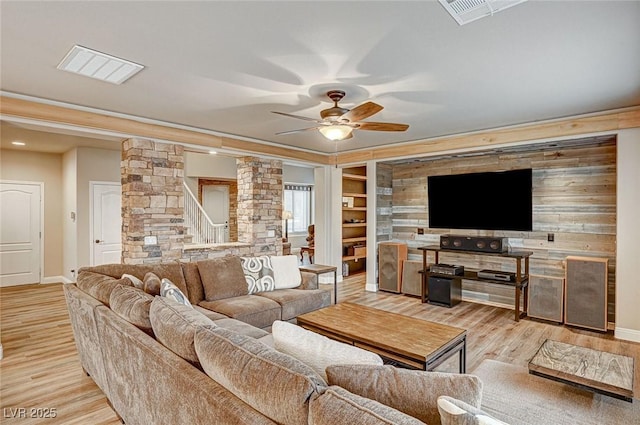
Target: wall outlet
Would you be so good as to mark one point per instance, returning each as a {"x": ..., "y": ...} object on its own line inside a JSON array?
[
  {"x": 151, "y": 240},
  {"x": 550, "y": 237},
  {"x": 420, "y": 231}
]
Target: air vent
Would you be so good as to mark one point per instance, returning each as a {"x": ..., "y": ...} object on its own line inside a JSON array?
[
  {"x": 98, "y": 65},
  {"x": 465, "y": 11}
]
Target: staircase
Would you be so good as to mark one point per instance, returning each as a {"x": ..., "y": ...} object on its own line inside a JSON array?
[{"x": 198, "y": 226}]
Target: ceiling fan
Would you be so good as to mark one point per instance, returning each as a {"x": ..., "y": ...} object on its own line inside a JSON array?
[{"x": 338, "y": 123}]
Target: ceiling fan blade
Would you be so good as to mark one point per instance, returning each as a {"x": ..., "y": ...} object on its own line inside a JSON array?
[
  {"x": 362, "y": 111},
  {"x": 296, "y": 131},
  {"x": 382, "y": 126},
  {"x": 300, "y": 117}
]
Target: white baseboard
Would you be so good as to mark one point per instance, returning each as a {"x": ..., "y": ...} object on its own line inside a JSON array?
[
  {"x": 371, "y": 287},
  {"x": 55, "y": 279},
  {"x": 627, "y": 334}
]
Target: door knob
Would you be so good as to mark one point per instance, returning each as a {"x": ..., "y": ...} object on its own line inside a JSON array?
[{"x": 98, "y": 241}]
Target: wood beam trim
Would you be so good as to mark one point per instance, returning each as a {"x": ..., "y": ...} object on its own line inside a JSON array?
[
  {"x": 26, "y": 109},
  {"x": 568, "y": 127},
  {"x": 277, "y": 151}
]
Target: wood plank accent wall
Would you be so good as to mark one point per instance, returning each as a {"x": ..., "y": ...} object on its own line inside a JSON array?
[{"x": 574, "y": 197}]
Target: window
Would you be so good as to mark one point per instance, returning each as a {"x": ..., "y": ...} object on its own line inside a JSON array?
[{"x": 297, "y": 199}]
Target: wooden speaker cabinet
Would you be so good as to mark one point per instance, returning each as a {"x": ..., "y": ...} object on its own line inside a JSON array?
[
  {"x": 390, "y": 258},
  {"x": 585, "y": 303},
  {"x": 411, "y": 278},
  {"x": 546, "y": 298}
]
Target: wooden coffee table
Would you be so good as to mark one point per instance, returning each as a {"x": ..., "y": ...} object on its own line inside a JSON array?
[
  {"x": 412, "y": 342},
  {"x": 598, "y": 371}
]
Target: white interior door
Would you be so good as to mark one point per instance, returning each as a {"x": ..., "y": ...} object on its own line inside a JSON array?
[
  {"x": 215, "y": 202},
  {"x": 20, "y": 227},
  {"x": 106, "y": 223}
]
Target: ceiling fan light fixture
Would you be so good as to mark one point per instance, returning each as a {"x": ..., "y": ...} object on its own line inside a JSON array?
[{"x": 336, "y": 131}]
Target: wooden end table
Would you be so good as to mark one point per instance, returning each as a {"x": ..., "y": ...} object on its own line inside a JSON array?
[
  {"x": 319, "y": 269},
  {"x": 412, "y": 342},
  {"x": 598, "y": 371}
]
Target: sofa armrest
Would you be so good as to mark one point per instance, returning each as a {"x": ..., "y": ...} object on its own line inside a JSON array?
[{"x": 309, "y": 281}]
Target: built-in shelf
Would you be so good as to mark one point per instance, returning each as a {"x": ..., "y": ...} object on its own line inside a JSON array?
[
  {"x": 354, "y": 233},
  {"x": 353, "y": 257},
  {"x": 353, "y": 176},
  {"x": 350, "y": 240}
]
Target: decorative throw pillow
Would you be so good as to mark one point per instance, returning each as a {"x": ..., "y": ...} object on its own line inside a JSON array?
[
  {"x": 152, "y": 284},
  {"x": 258, "y": 273},
  {"x": 317, "y": 350},
  {"x": 456, "y": 412},
  {"x": 171, "y": 291},
  {"x": 136, "y": 282},
  {"x": 222, "y": 278},
  {"x": 413, "y": 392},
  {"x": 286, "y": 273}
]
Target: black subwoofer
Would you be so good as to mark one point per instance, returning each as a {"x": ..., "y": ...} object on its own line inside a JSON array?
[
  {"x": 474, "y": 243},
  {"x": 445, "y": 292}
]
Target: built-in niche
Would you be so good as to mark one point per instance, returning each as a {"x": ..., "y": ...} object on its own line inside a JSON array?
[{"x": 230, "y": 186}]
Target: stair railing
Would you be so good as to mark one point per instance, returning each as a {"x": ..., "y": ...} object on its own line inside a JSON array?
[{"x": 200, "y": 226}]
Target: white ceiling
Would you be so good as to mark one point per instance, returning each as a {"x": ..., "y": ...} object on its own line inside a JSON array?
[{"x": 223, "y": 66}]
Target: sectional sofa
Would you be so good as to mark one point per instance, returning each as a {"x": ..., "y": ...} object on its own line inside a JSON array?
[{"x": 209, "y": 358}]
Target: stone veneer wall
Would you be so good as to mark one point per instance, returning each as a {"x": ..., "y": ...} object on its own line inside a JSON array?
[
  {"x": 152, "y": 201},
  {"x": 260, "y": 197}
]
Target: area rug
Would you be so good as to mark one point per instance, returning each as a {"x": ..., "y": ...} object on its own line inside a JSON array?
[{"x": 512, "y": 395}]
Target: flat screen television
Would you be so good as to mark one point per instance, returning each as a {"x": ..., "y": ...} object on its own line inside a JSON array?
[{"x": 481, "y": 201}]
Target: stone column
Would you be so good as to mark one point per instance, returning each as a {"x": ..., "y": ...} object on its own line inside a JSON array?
[
  {"x": 260, "y": 197},
  {"x": 152, "y": 201}
]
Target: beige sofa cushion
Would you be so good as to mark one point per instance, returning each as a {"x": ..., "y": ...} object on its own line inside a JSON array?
[
  {"x": 413, "y": 392},
  {"x": 252, "y": 309},
  {"x": 193, "y": 282},
  {"x": 222, "y": 278},
  {"x": 151, "y": 283},
  {"x": 295, "y": 302},
  {"x": 338, "y": 406},
  {"x": 317, "y": 350},
  {"x": 278, "y": 386},
  {"x": 175, "y": 324},
  {"x": 132, "y": 304},
  {"x": 99, "y": 286}
]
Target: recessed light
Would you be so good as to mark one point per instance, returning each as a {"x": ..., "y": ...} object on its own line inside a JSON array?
[
  {"x": 18, "y": 143},
  {"x": 98, "y": 65}
]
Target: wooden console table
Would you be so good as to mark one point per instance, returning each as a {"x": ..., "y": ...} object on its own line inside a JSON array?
[{"x": 521, "y": 283}]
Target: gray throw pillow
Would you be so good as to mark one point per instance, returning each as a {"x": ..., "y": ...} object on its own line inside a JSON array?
[{"x": 222, "y": 278}]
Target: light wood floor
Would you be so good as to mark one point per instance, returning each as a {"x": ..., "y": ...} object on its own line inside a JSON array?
[{"x": 41, "y": 369}]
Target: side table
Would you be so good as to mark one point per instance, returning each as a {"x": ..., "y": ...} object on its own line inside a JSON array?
[{"x": 319, "y": 269}]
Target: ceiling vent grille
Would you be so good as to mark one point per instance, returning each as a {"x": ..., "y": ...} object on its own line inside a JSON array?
[
  {"x": 465, "y": 11},
  {"x": 98, "y": 65}
]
